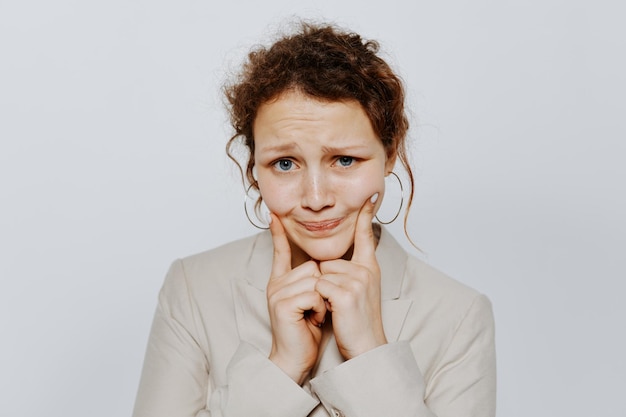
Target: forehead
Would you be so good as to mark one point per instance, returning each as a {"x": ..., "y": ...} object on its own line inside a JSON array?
[{"x": 294, "y": 116}]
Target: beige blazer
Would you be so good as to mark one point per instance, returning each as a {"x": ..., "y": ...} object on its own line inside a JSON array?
[{"x": 208, "y": 350}]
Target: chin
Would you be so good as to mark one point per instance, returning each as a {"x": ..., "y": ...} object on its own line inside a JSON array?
[{"x": 327, "y": 250}]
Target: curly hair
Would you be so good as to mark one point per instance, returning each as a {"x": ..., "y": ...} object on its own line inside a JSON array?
[{"x": 328, "y": 64}]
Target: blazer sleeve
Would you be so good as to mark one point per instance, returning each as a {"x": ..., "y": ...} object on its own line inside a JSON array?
[
  {"x": 257, "y": 387},
  {"x": 175, "y": 376},
  {"x": 387, "y": 380}
]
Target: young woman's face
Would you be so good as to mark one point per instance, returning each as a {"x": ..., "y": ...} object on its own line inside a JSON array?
[{"x": 317, "y": 163}]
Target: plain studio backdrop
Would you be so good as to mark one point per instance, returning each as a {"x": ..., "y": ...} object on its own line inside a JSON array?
[{"x": 112, "y": 164}]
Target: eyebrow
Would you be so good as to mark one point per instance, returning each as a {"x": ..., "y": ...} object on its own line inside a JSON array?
[
  {"x": 287, "y": 147},
  {"x": 279, "y": 148},
  {"x": 342, "y": 149}
]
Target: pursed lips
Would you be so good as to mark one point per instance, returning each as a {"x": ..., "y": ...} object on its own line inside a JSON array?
[{"x": 321, "y": 225}]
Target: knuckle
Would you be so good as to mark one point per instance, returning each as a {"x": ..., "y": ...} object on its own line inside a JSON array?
[
  {"x": 309, "y": 282},
  {"x": 360, "y": 274},
  {"x": 365, "y": 275},
  {"x": 357, "y": 287},
  {"x": 348, "y": 300},
  {"x": 310, "y": 267}
]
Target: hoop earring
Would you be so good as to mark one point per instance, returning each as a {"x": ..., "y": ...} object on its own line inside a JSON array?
[
  {"x": 401, "y": 201},
  {"x": 245, "y": 209}
]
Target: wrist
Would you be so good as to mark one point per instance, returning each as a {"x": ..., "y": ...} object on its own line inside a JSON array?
[
  {"x": 364, "y": 347},
  {"x": 293, "y": 372}
]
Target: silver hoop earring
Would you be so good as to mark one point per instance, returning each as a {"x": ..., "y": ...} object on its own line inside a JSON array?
[
  {"x": 401, "y": 201},
  {"x": 245, "y": 209}
]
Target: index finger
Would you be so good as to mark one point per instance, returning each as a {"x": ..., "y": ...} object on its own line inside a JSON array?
[
  {"x": 364, "y": 243},
  {"x": 281, "y": 263}
]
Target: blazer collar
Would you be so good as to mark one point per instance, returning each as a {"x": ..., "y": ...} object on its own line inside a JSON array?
[{"x": 390, "y": 255}]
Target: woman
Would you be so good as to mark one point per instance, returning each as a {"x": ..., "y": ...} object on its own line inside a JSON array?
[{"x": 325, "y": 314}]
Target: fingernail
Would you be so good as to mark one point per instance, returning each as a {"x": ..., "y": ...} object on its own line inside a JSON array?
[
  {"x": 374, "y": 198},
  {"x": 269, "y": 217}
]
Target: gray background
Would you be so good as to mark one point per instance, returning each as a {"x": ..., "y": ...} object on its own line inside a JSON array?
[{"x": 112, "y": 165}]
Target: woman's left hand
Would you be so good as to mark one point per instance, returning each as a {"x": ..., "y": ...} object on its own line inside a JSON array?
[{"x": 352, "y": 291}]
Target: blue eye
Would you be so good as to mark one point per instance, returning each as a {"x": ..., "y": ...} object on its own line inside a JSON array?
[
  {"x": 284, "y": 164},
  {"x": 345, "y": 161}
]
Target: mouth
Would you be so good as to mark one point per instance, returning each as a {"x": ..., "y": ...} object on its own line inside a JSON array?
[{"x": 322, "y": 226}]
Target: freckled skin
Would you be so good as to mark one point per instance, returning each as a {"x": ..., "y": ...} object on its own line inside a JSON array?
[{"x": 317, "y": 163}]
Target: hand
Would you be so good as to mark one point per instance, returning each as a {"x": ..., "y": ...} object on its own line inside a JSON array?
[
  {"x": 296, "y": 309},
  {"x": 352, "y": 291}
]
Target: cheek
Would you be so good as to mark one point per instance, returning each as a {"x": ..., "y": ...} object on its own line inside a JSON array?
[
  {"x": 277, "y": 197},
  {"x": 357, "y": 191}
]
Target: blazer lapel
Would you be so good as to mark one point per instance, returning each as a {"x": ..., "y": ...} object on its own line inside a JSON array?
[
  {"x": 392, "y": 259},
  {"x": 253, "y": 322}
]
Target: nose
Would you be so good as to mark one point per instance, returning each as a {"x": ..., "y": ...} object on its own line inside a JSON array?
[{"x": 317, "y": 191}]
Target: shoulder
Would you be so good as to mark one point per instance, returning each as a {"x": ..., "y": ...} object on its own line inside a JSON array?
[
  {"x": 229, "y": 255},
  {"x": 411, "y": 277},
  {"x": 423, "y": 277},
  {"x": 437, "y": 293},
  {"x": 213, "y": 270},
  {"x": 440, "y": 289},
  {"x": 433, "y": 293}
]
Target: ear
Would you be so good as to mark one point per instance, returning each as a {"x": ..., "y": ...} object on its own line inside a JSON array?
[{"x": 390, "y": 163}]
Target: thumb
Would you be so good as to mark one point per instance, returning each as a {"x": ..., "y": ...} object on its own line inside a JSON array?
[
  {"x": 281, "y": 263},
  {"x": 364, "y": 243}
]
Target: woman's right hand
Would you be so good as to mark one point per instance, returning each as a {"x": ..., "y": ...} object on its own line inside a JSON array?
[{"x": 296, "y": 309}]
